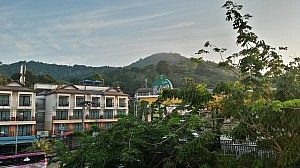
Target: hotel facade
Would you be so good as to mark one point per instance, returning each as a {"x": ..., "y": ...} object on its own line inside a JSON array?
[{"x": 56, "y": 110}]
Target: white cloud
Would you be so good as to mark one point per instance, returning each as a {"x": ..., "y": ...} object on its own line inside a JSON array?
[{"x": 174, "y": 26}]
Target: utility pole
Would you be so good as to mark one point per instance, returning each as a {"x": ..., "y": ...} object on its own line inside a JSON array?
[{"x": 86, "y": 103}]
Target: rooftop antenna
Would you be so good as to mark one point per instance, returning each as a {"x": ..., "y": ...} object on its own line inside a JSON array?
[{"x": 22, "y": 73}]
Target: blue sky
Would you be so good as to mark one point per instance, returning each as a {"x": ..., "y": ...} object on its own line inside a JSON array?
[{"x": 120, "y": 32}]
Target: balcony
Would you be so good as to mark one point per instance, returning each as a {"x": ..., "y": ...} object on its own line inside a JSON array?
[
  {"x": 60, "y": 118},
  {"x": 25, "y": 119},
  {"x": 21, "y": 133}
]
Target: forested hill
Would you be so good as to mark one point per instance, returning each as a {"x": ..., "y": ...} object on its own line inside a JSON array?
[
  {"x": 174, "y": 66},
  {"x": 171, "y": 58},
  {"x": 59, "y": 72}
]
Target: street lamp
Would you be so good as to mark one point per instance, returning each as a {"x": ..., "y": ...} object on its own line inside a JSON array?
[
  {"x": 17, "y": 130},
  {"x": 87, "y": 103}
]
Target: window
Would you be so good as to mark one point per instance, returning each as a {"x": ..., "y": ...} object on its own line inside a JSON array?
[
  {"x": 109, "y": 102},
  {"x": 63, "y": 101},
  {"x": 24, "y": 115},
  {"x": 77, "y": 127},
  {"x": 94, "y": 114},
  {"x": 121, "y": 112},
  {"x": 96, "y": 101},
  {"x": 122, "y": 102},
  {"x": 108, "y": 125},
  {"x": 94, "y": 125},
  {"x": 79, "y": 101},
  {"x": 60, "y": 127},
  {"x": 4, "y": 130},
  {"x": 108, "y": 114},
  {"x": 4, "y": 99},
  {"x": 24, "y": 100},
  {"x": 61, "y": 115},
  {"x": 24, "y": 130},
  {"x": 77, "y": 114},
  {"x": 4, "y": 115}
]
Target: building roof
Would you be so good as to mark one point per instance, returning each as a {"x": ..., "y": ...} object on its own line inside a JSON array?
[
  {"x": 143, "y": 90},
  {"x": 15, "y": 86},
  {"x": 80, "y": 89}
]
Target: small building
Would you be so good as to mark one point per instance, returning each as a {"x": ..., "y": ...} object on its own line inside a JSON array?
[
  {"x": 68, "y": 107},
  {"x": 17, "y": 114},
  {"x": 150, "y": 95}
]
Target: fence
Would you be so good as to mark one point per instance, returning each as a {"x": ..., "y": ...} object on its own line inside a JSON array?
[{"x": 230, "y": 147}]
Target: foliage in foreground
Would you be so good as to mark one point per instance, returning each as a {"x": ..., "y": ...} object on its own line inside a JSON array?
[
  {"x": 260, "y": 114},
  {"x": 165, "y": 142}
]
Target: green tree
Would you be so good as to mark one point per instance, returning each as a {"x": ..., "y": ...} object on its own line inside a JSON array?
[
  {"x": 287, "y": 85},
  {"x": 45, "y": 78},
  {"x": 251, "y": 103},
  {"x": 4, "y": 79},
  {"x": 163, "y": 67},
  {"x": 41, "y": 146}
]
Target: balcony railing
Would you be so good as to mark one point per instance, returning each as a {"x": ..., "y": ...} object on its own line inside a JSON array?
[
  {"x": 59, "y": 118},
  {"x": 4, "y": 134},
  {"x": 22, "y": 133},
  {"x": 25, "y": 118}
]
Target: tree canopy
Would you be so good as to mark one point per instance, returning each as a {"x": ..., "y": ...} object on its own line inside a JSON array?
[{"x": 262, "y": 105}]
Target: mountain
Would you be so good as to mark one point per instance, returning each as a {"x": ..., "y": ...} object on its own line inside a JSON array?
[
  {"x": 173, "y": 66},
  {"x": 154, "y": 59},
  {"x": 59, "y": 72}
]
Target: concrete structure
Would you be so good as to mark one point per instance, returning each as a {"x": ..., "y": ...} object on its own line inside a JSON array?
[
  {"x": 17, "y": 114},
  {"x": 150, "y": 95},
  {"x": 64, "y": 106}
]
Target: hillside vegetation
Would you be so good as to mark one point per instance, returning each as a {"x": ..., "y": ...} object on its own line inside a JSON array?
[
  {"x": 173, "y": 66},
  {"x": 171, "y": 58}
]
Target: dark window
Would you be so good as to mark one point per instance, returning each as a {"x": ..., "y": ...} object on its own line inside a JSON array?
[
  {"x": 108, "y": 125},
  {"x": 24, "y": 100},
  {"x": 4, "y": 130},
  {"x": 4, "y": 100},
  {"x": 109, "y": 102},
  {"x": 61, "y": 115},
  {"x": 79, "y": 101},
  {"x": 94, "y": 114},
  {"x": 24, "y": 115},
  {"x": 122, "y": 102},
  {"x": 77, "y": 127},
  {"x": 121, "y": 112},
  {"x": 96, "y": 101},
  {"x": 108, "y": 114},
  {"x": 63, "y": 101},
  {"x": 4, "y": 115},
  {"x": 24, "y": 130},
  {"x": 77, "y": 114}
]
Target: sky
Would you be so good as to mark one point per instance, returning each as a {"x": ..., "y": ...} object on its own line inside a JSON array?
[{"x": 120, "y": 32}]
